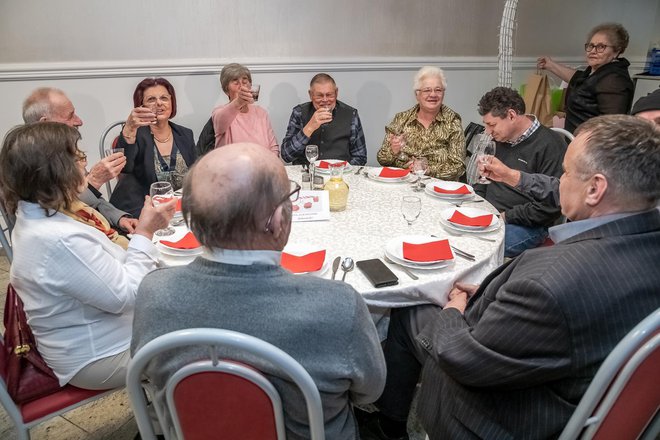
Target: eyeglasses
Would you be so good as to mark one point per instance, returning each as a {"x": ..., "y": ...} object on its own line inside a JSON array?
[
  {"x": 153, "y": 99},
  {"x": 429, "y": 90},
  {"x": 332, "y": 95},
  {"x": 81, "y": 156},
  {"x": 600, "y": 48},
  {"x": 292, "y": 196}
]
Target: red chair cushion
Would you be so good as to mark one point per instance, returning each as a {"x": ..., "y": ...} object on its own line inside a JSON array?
[
  {"x": 637, "y": 403},
  {"x": 237, "y": 408},
  {"x": 66, "y": 396}
]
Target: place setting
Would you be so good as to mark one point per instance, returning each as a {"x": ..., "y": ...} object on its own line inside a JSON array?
[
  {"x": 390, "y": 174},
  {"x": 324, "y": 166},
  {"x": 469, "y": 220},
  {"x": 420, "y": 252},
  {"x": 306, "y": 259}
]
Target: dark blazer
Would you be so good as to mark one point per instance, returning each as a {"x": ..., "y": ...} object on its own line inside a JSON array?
[
  {"x": 140, "y": 172},
  {"x": 533, "y": 336}
]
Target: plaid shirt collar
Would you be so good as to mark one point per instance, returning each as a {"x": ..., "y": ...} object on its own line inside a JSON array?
[{"x": 527, "y": 133}]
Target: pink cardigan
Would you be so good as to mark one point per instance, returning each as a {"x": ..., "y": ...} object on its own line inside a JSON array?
[{"x": 231, "y": 126}]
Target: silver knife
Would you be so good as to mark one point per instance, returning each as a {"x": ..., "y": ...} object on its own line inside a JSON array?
[
  {"x": 463, "y": 254},
  {"x": 335, "y": 266},
  {"x": 403, "y": 268}
]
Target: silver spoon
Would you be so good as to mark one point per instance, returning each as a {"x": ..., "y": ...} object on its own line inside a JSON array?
[{"x": 347, "y": 265}]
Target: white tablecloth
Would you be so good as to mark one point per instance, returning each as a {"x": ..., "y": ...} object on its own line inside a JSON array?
[{"x": 371, "y": 219}]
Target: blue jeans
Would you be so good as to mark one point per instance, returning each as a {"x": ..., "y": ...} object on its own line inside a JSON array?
[{"x": 518, "y": 238}]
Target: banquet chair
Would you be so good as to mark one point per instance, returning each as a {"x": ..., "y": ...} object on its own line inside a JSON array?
[
  {"x": 29, "y": 414},
  {"x": 207, "y": 397},
  {"x": 623, "y": 399},
  {"x": 567, "y": 134},
  {"x": 106, "y": 144},
  {"x": 7, "y": 226}
]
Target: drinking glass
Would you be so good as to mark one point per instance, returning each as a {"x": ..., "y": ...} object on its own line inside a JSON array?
[
  {"x": 254, "y": 89},
  {"x": 111, "y": 151},
  {"x": 484, "y": 157},
  {"x": 161, "y": 192},
  {"x": 419, "y": 167},
  {"x": 312, "y": 153},
  {"x": 411, "y": 207},
  {"x": 401, "y": 137}
]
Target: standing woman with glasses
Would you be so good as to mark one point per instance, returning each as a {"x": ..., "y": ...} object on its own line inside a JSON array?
[
  {"x": 156, "y": 148},
  {"x": 604, "y": 87},
  {"x": 430, "y": 130}
]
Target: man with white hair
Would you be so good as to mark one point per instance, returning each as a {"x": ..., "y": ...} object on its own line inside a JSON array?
[
  {"x": 51, "y": 104},
  {"x": 326, "y": 122}
]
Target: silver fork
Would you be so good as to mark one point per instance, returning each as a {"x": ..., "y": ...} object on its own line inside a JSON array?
[
  {"x": 357, "y": 173},
  {"x": 403, "y": 268},
  {"x": 459, "y": 234}
]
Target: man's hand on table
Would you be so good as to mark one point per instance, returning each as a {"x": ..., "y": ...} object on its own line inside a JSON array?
[{"x": 128, "y": 224}]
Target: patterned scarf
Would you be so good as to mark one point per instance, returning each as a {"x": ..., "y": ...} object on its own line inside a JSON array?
[{"x": 90, "y": 216}]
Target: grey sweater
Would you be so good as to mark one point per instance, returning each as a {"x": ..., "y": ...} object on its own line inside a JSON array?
[{"x": 324, "y": 325}]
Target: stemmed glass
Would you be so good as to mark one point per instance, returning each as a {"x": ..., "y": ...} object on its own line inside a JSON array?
[
  {"x": 419, "y": 166},
  {"x": 484, "y": 157},
  {"x": 161, "y": 192},
  {"x": 400, "y": 136},
  {"x": 312, "y": 153},
  {"x": 411, "y": 207}
]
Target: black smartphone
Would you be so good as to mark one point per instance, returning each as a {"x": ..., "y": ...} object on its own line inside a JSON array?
[{"x": 376, "y": 271}]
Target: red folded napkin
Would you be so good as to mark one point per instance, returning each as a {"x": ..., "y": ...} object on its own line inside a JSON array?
[
  {"x": 462, "y": 190},
  {"x": 462, "y": 219},
  {"x": 187, "y": 242},
  {"x": 432, "y": 251},
  {"x": 393, "y": 172},
  {"x": 303, "y": 263},
  {"x": 178, "y": 205},
  {"x": 325, "y": 165}
]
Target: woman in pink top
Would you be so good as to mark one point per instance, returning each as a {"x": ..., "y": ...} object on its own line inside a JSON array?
[{"x": 241, "y": 120}]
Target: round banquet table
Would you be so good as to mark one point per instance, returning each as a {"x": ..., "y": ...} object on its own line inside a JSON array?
[{"x": 372, "y": 218}]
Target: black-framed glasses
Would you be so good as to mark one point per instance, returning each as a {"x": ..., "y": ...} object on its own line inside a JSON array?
[
  {"x": 292, "y": 196},
  {"x": 600, "y": 47}
]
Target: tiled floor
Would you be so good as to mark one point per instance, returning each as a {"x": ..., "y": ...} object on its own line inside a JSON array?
[{"x": 107, "y": 418}]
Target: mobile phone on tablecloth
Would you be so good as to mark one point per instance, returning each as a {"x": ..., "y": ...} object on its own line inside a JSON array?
[{"x": 376, "y": 272}]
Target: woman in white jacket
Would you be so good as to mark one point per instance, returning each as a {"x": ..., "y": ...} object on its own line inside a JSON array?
[{"x": 77, "y": 285}]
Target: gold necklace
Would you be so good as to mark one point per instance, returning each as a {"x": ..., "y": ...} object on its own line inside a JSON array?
[{"x": 162, "y": 142}]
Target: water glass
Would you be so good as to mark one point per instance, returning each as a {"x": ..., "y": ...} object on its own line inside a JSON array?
[
  {"x": 312, "y": 153},
  {"x": 254, "y": 89},
  {"x": 411, "y": 207},
  {"x": 420, "y": 166},
  {"x": 162, "y": 192},
  {"x": 484, "y": 157}
]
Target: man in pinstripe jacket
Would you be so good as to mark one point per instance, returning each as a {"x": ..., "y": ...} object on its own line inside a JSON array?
[{"x": 512, "y": 358}]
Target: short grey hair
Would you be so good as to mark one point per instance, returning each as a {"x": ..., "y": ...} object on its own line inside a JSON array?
[
  {"x": 231, "y": 72},
  {"x": 626, "y": 150},
  {"x": 39, "y": 104},
  {"x": 429, "y": 72},
  {"x": 616, "y": 33}
]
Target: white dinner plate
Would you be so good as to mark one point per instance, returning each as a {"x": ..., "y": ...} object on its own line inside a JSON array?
[
  {"x": 179, "y": 252},
  {"x": 449, "y": 186},
  {"x": 446, "y": 214},
  {"x": 347, "y": 168},
  {"x": 304, "y": 249},
  {"x": 374, "y": 174},
  {"x": 394, "y": 250}
]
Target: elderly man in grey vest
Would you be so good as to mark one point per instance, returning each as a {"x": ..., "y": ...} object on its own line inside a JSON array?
[
  {"x": 237, "y": 201},
  {"x": 326, "y": 122}
]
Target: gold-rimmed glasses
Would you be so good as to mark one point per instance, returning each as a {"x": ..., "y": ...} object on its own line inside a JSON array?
[{"x": 291, "y": 196}]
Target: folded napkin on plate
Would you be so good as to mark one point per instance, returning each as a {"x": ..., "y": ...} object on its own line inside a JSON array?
[
  {"x": 393, "y": 172},
  {"x": 431, "y": 251},
  {"x": 462, "y": 219},
  {"x": 303, "y": 263},
  {"x": 462, "y": 190},
  {"x": 187, "y": 242},
  {"x": 325, "y": 165}
]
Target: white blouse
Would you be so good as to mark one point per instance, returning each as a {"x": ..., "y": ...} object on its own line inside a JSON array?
[{"x": 77, "y": 286}]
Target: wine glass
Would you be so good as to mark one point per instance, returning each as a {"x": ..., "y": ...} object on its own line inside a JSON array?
[
  {"x": 312, "y": 153},
  {"x": 420, "y": 166},
  {"x": 399, "y": 136},
  {"x": 484, "y": 158},
  {"x": 411, "y": 207},
  {"x": 161, "y": 192}
]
